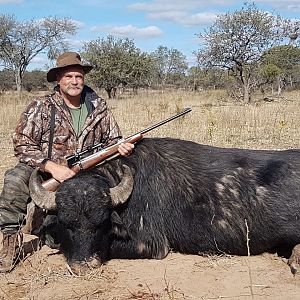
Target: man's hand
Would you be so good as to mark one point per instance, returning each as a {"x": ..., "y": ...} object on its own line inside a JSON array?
[
  {"x": 58, "y": 172},
  {"x": 125, "y": 149}
]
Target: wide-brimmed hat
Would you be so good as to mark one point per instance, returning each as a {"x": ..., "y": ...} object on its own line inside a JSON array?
[{"x": 64, "y": 60}]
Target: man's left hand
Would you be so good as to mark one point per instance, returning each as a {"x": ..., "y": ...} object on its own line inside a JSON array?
[{"x": 125, "y": 149}]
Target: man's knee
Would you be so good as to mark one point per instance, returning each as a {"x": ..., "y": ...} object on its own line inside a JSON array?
[
  {"x": 15, "y": 195},
  {"x": 20, "y": 174}
]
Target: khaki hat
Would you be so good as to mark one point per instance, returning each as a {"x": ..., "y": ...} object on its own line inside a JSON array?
[{"x": 64, "y": 60}]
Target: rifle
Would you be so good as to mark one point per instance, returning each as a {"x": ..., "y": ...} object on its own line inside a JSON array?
[{"x": 77, "y": 163}]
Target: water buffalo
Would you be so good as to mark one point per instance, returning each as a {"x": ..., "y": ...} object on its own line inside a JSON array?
[{"x": 178, "y": 195}]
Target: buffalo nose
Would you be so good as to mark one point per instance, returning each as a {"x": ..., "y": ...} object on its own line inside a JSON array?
[{"x": 83, "y": 267}]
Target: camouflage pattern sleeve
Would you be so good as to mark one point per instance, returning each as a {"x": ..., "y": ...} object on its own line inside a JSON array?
[
  {"x": 28, "y": 134},
  {"x": 113, "y": 130},
  {"x": 31, "y": 137},
  {"x": 107, "y": 131}
]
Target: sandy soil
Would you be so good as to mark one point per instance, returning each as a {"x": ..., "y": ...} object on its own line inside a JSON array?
[{"x": 43, "y": 275}]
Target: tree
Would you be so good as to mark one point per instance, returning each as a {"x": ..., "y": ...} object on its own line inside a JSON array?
[
  {"x": 35, "y": 81},
  {"x": 142, "y": 72},
  {"x": 20, "y": 42},
  {"x": 198, "y": 78},
  {"x": 116, "y": 62},
  {"x": 236, "y": 42},
  {"x": 170, "y": 64},
  {"x": 6, "y": 80},
  {"x": 284, "y": 58}
]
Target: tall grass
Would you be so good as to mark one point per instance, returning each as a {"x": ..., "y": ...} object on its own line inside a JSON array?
[
  {"x": 12, "y": 104},
  {"x": 214, "y": 120}
]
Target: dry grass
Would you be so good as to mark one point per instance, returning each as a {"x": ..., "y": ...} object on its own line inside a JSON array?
[
  {"x": 12, "y": 105},
  {"x": 214, "y": 120}
]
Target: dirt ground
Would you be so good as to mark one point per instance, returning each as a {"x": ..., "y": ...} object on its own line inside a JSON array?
[{"x": 44, "y": 275}]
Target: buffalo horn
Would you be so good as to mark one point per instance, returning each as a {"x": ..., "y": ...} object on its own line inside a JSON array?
[
  {"x": 39, "y": 195},
  {"x": 120, "y": 193}
]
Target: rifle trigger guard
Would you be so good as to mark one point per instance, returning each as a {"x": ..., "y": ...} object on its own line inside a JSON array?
[{"x": 80, "y": 165}]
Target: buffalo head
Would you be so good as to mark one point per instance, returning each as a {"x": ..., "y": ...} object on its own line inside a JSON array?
[{"x": 85, "y": 206}]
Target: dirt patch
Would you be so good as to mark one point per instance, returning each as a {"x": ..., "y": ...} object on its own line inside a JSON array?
[{"x": 44, "y": 275}]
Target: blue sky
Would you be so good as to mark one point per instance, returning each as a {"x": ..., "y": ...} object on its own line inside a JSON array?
[{"x": 171, "y": 23}]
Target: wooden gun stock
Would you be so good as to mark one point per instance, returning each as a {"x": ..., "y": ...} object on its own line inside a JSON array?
[{"x": 93, "y": 160}]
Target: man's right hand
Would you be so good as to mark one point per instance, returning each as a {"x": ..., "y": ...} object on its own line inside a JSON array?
[{"x": 58, "y": 172}]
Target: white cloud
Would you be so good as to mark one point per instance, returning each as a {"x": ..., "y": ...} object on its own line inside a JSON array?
[
  {"x": 184, "y": 18},
  {"x": 200, "y": 19},
  {"x": 291, "y": 5},
  {"x": 130, "y": 31},
  {"x": 166, "y": 5},
  {"x": 10, "y": 1},
  {"x": 180, "y": 11},
  {"x": 171, "y": 15}
]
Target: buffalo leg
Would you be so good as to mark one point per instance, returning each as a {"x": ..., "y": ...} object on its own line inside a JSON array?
[{"x": 156, "y": 248}]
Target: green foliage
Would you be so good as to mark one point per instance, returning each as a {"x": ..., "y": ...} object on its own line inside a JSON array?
[
  {"x": 6, "y": 80},
  {"x": 170, "y": 65},
  {"x": 270, "y": 71},
  {"x": 283, "y": 56},
  {"x": 35, "y": 81},
  {"x": 280, "y": 64},
  {"x": 32, "y": 81},
  {"x": 117, "y": 62},
  {"x": 199, "y": 78}
]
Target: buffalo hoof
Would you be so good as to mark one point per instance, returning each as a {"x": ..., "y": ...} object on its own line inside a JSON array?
[
  {"x": 84, "y": 267},
  {"x": 294, "y": 260}
]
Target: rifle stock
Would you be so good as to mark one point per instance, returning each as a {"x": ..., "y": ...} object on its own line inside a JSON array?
[
  {"x": 93, "y": 160},
  {"x": 107, "y": 153}
]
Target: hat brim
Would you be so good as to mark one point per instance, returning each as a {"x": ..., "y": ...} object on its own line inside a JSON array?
[{"x": 52, "y": 73}]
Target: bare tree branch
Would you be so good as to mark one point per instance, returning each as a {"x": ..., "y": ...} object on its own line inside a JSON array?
[{"x": 20, "y": 42}]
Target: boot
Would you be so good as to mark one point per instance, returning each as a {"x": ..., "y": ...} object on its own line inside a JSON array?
[{"x": 11, "y": 251}]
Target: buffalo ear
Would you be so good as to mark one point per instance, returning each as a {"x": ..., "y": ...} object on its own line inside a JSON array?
[{"x": 118, "y": 229}]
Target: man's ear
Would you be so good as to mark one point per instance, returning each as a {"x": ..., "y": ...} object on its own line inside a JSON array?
[{"x": 118, "y": 229}]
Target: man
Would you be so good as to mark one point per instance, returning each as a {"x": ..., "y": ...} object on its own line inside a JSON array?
[{"x": 53, "y": 127}]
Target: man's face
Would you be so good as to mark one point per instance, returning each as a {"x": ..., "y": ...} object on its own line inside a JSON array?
[{"x": 71, "y": 81}]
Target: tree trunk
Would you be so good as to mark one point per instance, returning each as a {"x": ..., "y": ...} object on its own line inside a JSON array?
[
  {"x": 279, "y": 88},
  {"x": 247, "y": 93},
  {"x": 18, "y": 80},
  {"x": 114, "y": 92},
  {"x": 135, "y": 90},
  {"x": 109, "y": 90}
]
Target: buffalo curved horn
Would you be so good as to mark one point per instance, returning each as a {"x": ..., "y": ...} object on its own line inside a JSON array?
[
  {"x": 120, "y": 193},
  {"x": 39, "y": 195}
]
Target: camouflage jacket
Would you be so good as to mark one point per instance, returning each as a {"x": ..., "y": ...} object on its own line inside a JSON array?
[{"x": 31, "y": 137}]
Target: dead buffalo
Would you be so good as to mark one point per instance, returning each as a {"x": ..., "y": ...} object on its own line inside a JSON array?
[{"x": 179, "y": 195}]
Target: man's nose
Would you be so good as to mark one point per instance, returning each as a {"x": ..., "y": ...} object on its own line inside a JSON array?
[{"x": 74, "y": 80}]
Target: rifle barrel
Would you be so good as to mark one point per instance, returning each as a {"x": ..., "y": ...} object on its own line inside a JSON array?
[{"x": 185, "y": 111}]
